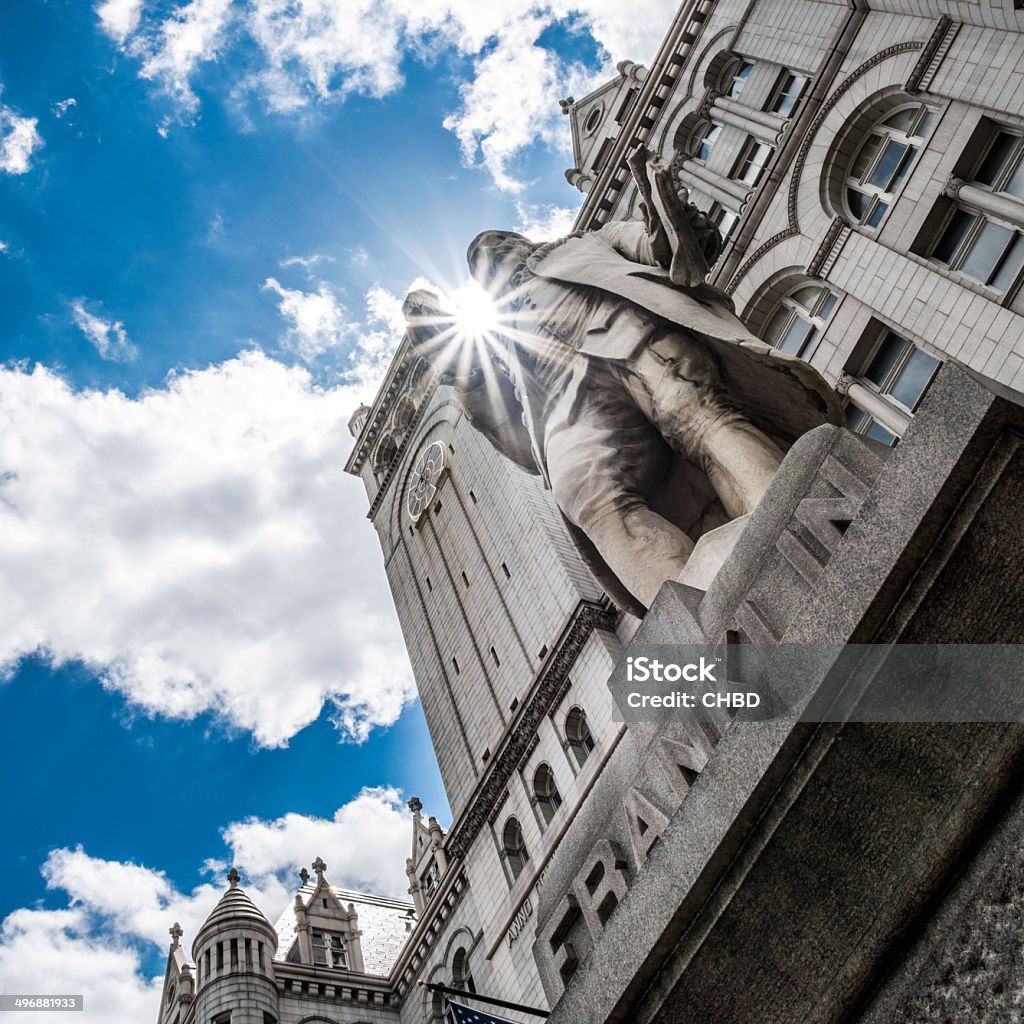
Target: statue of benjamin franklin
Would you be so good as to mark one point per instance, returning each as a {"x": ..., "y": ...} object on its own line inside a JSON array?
[{"x": 628, "y": 383}]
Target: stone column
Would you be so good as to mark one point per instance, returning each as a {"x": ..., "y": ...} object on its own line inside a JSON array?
[
  {"x": 998, "y": 204},
  {"x": 894, "y": 419},
  {"x": 727, "y": 192},
  {"x": 765, "y": 127}
]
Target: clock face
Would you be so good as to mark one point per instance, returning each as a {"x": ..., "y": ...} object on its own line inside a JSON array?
[{"x": 424, "y": 479}]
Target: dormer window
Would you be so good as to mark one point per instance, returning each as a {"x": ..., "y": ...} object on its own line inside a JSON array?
[{"x": 329, "y": 950}]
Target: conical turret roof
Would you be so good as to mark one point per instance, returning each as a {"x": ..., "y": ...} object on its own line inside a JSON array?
[{"x": 234, "y": 910}]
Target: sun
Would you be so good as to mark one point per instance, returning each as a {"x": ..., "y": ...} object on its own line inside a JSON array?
[{"x": 474, "y": 311}]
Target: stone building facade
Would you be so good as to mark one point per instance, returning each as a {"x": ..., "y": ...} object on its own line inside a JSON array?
[{"x": 865, "y": 162}]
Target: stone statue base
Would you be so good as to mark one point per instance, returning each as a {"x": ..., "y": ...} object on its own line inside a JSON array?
[{"x": 729, "y": 870}]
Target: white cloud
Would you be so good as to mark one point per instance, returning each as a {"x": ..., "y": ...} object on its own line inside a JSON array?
[
  {"x": 58, "y": 951},
  {"x": 308, "y": 263},
  {"x": 117, "y": 911},
  {"x": 19, "y": 139},
  {"x": 544, "y": 222},
  {"x": 186, "y": 546},
  {"x": 377, "y": 339},
  {"x": 191, "y": 35},
  {"x": 374, "y": 863},
  {"x": 319, "y": 321},
  {"x": 107, "y": 335},
  {"x": 61, "y": 107},
  {"x": 4, "y": 247},
  {"x": 119, "y": 18},
  {"x": 316, "y": 51}
]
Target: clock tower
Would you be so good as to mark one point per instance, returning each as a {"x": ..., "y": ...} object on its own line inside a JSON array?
[
  {"x": 512, "y": 641},
  {"x": 485, "y": 578}
]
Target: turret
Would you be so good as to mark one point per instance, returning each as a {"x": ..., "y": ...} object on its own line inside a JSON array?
[{"x": 234, "y": 956}]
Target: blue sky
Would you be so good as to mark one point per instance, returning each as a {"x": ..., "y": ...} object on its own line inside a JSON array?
[{"x": 209, "y": 213}]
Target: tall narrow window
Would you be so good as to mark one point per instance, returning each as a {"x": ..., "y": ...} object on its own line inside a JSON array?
[
  {"x": 578, "y": 735},
  {"x": 707, "y": 141},
  {"x": 787, "y": 93},
  {"x": 724, "y": 218},
  {"x": 883, "y": 162},
  {"x": 739, "y": 73},
  {"x": 513, "y": 847},
  {"x": 462, "y": 976},
  {"x": 797, "y": 324},
  {"x": 545, "y": 792},
  {"x": 752, "y": 162}
]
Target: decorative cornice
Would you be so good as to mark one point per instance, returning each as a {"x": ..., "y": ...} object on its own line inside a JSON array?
[
  {"x": 429, "y": 927},
  {"x": 935, "y": 50},
  {"x": 587, "y": 617},
  {"x": 760, "y": 251},
  {"x": 656, "y": 88},
  {"x": 821, "y": 262},
  {"x": 806, "y": 142}
]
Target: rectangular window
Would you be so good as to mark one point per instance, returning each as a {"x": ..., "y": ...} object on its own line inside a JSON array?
[
  {"x": 739, "y": 78},
  {"x": 751, "y": 164},
  {"x": 787, "y": 93},
  {"x": 983, "y": 249},
  {"x": 234, "y": 954},
  {"x": 455, "y": 665},
  {"x": 723, "y": 217},
  {"x": 497, "y": 660},
  {"x": 220, "y": 956},
  {"x": 328, "y": 949},
  {"x": 900, "y": 372},
  {"x": 505, "y": 570},
  {"x": 1002, "y": 167},
  {"x": 707, "y": 143}
]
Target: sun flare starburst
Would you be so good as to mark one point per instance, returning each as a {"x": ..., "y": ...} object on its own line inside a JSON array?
[{"x": 474, "y": 311}]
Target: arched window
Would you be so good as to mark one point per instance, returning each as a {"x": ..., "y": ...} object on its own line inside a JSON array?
[
  {"x": 462, "y": 977},
  {"x": 883, "y": 162},
  {"x": 578, "y": 736},
  {"x": 797, "y": 324},
  {"x": 513, "y": 846},
  {"x": 545, "y": 792}
]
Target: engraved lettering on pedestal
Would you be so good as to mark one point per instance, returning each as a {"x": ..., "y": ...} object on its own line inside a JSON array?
[
  {"x": 645, "y": 823},
  {"x": 568, "y": 927},
  {"x": 602, "y": 885},
  {"x": 685, "y": 761}
]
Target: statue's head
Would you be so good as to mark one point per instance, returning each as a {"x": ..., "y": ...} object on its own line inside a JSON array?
[{"x": 494, "y": 256}]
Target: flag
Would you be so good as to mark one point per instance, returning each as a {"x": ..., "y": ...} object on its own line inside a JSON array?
[{"x": 466, "y": 1015}]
